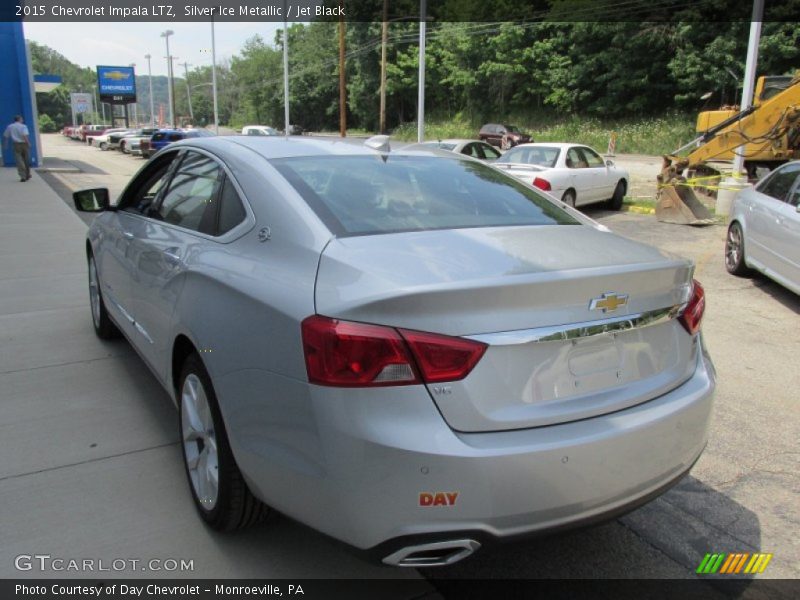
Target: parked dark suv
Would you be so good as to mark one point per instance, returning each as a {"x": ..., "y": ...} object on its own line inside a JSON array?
[
  {"x": 503, "y": 136},
  {"x": 164, "y": 137}
]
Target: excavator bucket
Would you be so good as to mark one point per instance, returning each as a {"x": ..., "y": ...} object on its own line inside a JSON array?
[{"x": 676, "y": 201}]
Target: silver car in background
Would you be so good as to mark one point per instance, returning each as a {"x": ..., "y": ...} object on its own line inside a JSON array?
[
  {"x": 410, "y": 351},
  {"x": 764, "y": 229}
]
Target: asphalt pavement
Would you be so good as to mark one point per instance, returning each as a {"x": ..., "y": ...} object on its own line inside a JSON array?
[{"x": 91, "y": 465}]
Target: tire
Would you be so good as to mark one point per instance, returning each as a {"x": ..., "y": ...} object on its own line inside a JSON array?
[
  {"x": 103, "y": 145},
  {"x": 734, "y": 251},
  {"x": 569, "y": 198},
  {"x": 226, "y": 504},
  {"x": 122, "y": 148},
  {"x": 103, "y": 325},
  {"x": 615, "y": 202}
]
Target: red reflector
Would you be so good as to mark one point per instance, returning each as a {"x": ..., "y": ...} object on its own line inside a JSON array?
[
  {"x": 441, "y": 357},
  {"x": 542, "y": 184},
  {"x": 347, "y": 354},
  {"x": 693, "y": 313}
]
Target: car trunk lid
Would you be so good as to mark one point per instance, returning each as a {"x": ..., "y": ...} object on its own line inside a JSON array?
[{"x": 536, "y": 295}]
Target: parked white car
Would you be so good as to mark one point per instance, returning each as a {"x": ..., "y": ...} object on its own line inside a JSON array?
[
  {"x": 575, "y": 174},
  {"x": 474, "y": 148},
  {"x": 101, "y": 141},
  {"x": 764, "y": 233},
  {"x": 259, "y": 130}
]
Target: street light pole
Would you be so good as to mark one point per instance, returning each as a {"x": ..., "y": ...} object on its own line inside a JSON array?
[
  {"x": 342, "y": 82},
  {"x": 749, "y": 76},
  {"x": 135, "y": 104},
  {"x": 171, "y": 100},
  {"x": 421, "y": 85},
  {"x": 285, "y": 72},
  {"x": 186, "y": 66},
  {"x": 150, "y": 80},
  {"x": 384, "y": 39},
  {"x": 214, "y": 77}
]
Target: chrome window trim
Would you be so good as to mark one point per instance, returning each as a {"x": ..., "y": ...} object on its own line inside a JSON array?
[{"x": 580, "y": 330}]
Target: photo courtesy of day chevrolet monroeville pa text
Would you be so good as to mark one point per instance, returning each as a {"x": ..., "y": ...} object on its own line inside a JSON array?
[{"x": 434, "y": 385}]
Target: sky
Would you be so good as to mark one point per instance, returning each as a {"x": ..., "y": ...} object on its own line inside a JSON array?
[{"x": 120, "y": 44}]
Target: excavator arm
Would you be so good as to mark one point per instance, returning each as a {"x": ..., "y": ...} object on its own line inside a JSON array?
[{"x": 771, "y": 129}]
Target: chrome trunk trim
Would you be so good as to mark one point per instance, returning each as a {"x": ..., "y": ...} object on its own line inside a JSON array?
[{"x": 585, "y": 329}]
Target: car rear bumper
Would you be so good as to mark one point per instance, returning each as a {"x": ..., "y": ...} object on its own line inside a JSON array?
[{"x": 371, "y": 463}]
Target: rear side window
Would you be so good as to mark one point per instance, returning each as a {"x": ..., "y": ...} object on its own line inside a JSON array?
[
  {"x": 778, "y": 184},
  {"x": 231, "y": 209},
  {"x": 192, "y": 190},
  {"x": 356, "y": 195},
  {"x": 157, "y": 137}
]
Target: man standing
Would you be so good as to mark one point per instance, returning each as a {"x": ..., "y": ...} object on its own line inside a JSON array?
[{"x": 18, "y": 133}]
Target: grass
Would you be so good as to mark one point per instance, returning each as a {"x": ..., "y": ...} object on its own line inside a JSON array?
[{"x": 647, "y": 135}]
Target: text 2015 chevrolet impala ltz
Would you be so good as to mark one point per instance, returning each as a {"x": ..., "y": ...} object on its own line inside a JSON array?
[{"x": 409, "y": 351}]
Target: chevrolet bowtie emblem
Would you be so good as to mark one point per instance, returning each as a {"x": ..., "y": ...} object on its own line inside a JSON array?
[{"x": 608, "y": 302}]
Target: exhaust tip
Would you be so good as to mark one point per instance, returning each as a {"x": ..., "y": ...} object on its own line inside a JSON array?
[{"x": 435, "y": 554}]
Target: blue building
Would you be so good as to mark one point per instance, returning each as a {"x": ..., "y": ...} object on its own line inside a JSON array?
[{"x": 17, "y": 96}]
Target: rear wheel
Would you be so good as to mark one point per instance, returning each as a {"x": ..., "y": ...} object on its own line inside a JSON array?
[
  {"x": 569, "y": 198},
  {"x": 103, "y": 145},
  {"x": 615, "y": 202},
  {"x": 734, "y": 251},
  {"x": 103, "y": 325},
  {"x": 220, "y": 493}
]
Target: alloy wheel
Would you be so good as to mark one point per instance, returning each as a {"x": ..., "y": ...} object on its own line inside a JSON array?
[
  {"x": 199, "y": 442},
  {"x": 733, "y": 248},
  {"x": 94, "y": 293}
]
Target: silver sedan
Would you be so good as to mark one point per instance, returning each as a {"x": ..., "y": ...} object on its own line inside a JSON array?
[
  {"x": 764, "y": 230},
  {"x": 410, "y": 351}
]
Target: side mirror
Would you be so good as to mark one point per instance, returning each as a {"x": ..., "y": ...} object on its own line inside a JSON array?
[
  {"x": 609, "y": 163},
  {"x": 93, "y": 200}
]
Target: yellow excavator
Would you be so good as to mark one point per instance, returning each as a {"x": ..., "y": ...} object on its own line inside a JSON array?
[{"x": 769, "y": 130}]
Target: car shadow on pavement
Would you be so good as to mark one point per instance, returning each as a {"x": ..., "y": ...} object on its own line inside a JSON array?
[
  {"x": 786, "y": 297},
  {"x": 665, "y": 539}
]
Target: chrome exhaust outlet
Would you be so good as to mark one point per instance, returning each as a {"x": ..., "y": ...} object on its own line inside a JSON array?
[{"x": 435, "y": 554}]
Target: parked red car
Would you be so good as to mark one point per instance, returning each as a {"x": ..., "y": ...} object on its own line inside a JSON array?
[
  {"x": 88, "y": 131},
  {"x": 503, "y": 136}
]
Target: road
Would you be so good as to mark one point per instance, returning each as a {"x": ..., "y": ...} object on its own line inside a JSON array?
[{"x": 103, "y": 475}]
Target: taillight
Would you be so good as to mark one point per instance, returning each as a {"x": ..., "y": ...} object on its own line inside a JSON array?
[
  {"x": 442, "y": 357},
  {"x": 542, "y": 184},
  {"x": 693, "y": 313},
  {"x": 346, "y": 354}
]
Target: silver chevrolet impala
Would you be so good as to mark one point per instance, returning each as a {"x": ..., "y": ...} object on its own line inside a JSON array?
[{"x": 412, "y": 352}]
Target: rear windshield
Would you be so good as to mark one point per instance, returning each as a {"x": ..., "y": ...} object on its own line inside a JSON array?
[
  {"x": 544, "y": 156},
  {"x": 358, "y": 195}
]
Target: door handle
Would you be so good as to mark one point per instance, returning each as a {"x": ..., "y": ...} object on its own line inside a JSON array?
[
  {"x": 127, "y": 235},
  {"x": 172, "y": 256}
]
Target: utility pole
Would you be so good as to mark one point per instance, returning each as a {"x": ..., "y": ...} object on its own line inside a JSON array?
[
  {"x": 342, "y": 82},
  {"x": 384, "y": 40},
  {"x": 186, "y": 66}
]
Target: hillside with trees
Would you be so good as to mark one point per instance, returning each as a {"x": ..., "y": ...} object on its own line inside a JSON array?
[{"x": 528, "y": 72}]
